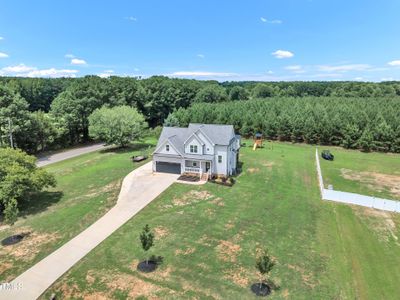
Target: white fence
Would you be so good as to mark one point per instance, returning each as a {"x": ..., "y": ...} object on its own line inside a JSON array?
[{"x": 352, "y": 198}]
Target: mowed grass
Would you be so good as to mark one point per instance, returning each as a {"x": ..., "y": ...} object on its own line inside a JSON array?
[
  {"x": 87, "y": 187},
  {"x": 374, "y": 174},
  {"x": 208, "y": 236}
]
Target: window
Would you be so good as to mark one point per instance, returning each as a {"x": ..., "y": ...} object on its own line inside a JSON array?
[
  {"x": 167, "y": 148},
  {"x": 194, "y": 164},
  {"x": 220, "y": 158},
  {"x": 193, "y": 148}
]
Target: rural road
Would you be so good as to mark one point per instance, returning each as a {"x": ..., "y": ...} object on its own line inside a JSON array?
[
  {"x": 138, "y": 189},
  {"x": 56, "y": 157}
]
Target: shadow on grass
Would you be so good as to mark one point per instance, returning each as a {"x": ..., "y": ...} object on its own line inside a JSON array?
[{"x": 38, "y": 203}]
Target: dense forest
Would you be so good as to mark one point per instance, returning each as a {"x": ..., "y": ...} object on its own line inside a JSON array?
[
  {"x": 43, "y": 113},
  {"x": 363, "y": 123}
]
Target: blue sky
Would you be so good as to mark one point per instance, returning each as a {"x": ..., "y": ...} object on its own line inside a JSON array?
[{"x": 223, "y": 40}]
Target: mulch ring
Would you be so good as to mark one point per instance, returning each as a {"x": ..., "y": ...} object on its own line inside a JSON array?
[
  {"x": 262, "y": 290},
  {"x": 147, "y": 266},
  {"x": 13, "y": 239}
]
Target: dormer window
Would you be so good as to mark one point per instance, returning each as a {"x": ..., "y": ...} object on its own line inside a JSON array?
[
  {"x": 167, "y": 148},
  {"x": 193, "y": 148}
]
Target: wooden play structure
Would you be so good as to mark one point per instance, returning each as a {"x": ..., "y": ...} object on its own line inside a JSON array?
[{"x": 258, "y": 140}]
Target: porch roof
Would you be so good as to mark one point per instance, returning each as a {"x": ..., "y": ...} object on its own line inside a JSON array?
[{"x": 199, "y": 157}]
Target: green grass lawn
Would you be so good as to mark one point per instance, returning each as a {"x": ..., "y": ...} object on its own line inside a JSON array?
[
  {"x": 208, "y": 236},
  {"x": 374, "y": 174},
  {"x": 87, "y": 186}
]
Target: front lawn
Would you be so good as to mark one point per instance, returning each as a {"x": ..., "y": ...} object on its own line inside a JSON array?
[
  {"x": 208, "y": 236},
  {"x": 87, "y": 187},
  {"x": 373, "y": 174}
]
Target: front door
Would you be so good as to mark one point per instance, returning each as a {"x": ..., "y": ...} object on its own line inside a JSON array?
[{"x": 208, "y": 165}]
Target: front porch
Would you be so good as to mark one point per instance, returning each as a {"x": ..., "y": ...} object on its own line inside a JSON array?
[{"x": 200, "y": 167}]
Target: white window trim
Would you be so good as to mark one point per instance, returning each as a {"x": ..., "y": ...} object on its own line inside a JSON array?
[
  {"x": 220, "y": 159},
  {"x": 167, "y": 148}
]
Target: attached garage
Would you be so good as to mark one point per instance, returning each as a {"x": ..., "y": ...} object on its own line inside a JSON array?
[{"x": 167, "y": 167}]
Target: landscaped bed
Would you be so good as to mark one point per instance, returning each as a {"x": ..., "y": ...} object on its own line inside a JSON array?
[
  {"x": 209, "y": 235},
  {"x": 373, "y": 174}
]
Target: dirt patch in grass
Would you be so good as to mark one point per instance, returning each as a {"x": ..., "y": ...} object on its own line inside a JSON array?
[
  {"x": 268, "y": 164},
  {"x": 160, "y": 232},
  {"x": 381, "y": 222},
  {"x": 253, "y": 170},
  {"x": 218, "y": 201},
  {"x": 285, "y": 293},
  {"x": 308, "y": 278},
  {"x": 112, "y": 186},
  {"x": 134, "y": 286},
  {"x": 238, "y": 276},
  {"x": 30, "y": 245},
  {"x": 210, "y": 212},
  {"x": 4, "y": 266},
  {"x": 186, "y": 251},
  {"x": 192, "y": 197},
  {"x": 205, "y": 241},
  {"x": 90, "y": 277},
  {"x": 229, "y": 225},
  {"x": 228, "y": 251},
  {"x": 373, "y": 180}
]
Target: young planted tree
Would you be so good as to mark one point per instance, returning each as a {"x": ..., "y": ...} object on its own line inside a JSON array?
[
  {"x": 264, "y": 265},
  {"x": 147, "y": 239}
]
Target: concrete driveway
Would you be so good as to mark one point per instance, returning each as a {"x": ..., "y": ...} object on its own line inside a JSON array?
[
  {"x": 56, "y": 157},
  {"x": 138, "y": 189}
]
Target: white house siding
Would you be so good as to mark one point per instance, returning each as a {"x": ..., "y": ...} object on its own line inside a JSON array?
[
  {"x": 163, "y": 149},
  {"x": 194, "y": 140},
  {"x": 208, "y": 147},
  {"x": 220, "y": 168}
]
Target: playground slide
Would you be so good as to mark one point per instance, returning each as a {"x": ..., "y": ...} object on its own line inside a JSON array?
[{"x": 255, "y": 146}]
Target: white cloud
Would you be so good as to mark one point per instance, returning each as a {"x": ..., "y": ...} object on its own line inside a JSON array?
[
  {"x": 52, "y": 72},
  {"x": 201, "y": 56},
  {"x": 265, "y": 20},
  {"x": 106, "y": 73},
  {"x": 133, "y": 19},
  {"x": 77, "y": 61},
  {"x": 394, "y": 63},
  {"x": 270, "y": 72},
  {"x": 3, "y": 55},
  {"x": 1, "y": 38},
  {"x": 22, "y": 70},
  {"x": 295, "y": 69},
  {"x": 136, "y": 69},
  {"x": 344, "y": 68},
  {"x": 387, "y": 79},
  {"x": 282, "y": 54},
  {"x": 202, "y": 74},
  {"x": 69, "y": 56}
]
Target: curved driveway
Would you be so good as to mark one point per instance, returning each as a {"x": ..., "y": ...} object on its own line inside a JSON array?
[
  {"x": 138, "y": 189},
  {"x": 56, "y": 157}
]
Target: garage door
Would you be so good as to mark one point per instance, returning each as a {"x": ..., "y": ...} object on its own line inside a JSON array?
[{"x": 166, "y": 167}]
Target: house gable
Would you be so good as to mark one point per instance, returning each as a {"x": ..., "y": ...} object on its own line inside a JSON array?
[
  {"x": 166, "y": 147},
  {"x": 194, "y": 141}
]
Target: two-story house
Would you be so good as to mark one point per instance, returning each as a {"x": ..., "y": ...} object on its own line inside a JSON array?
[{"x": 201, "y": 148}]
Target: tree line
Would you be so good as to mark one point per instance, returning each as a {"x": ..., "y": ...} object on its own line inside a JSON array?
[
  {"x": 356, "y": 123},
  {"x": 44, "y": 114}
]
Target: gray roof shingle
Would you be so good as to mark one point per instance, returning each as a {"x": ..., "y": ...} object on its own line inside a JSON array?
[{"x": 218, "y": 134}]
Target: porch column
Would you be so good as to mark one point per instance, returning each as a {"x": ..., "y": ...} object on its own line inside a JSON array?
[{"x": 201, "y": 169}]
